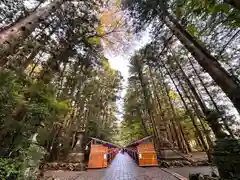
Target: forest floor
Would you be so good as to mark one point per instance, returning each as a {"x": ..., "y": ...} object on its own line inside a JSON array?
[
  {"x": 185, "y": 171},
  {"x": 198, "y": 156},
  {"x": 195, "y": 156}
]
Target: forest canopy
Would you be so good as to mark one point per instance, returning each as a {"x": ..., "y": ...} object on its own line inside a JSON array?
[{"x": 56, "y": 80}]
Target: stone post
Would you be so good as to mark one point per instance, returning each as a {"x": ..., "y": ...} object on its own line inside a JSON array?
[
  {"x": 164, "y": 144},
  {"x": 77, "y": 155},
  {"x": 79, "y": 144}
]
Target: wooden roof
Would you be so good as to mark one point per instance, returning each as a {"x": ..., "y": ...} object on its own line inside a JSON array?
[
  {"x": 105, "y": 142},
  {"x": 135, "y": 143}
]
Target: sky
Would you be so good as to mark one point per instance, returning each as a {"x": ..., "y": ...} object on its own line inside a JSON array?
[{"x": 120, "y": 62}]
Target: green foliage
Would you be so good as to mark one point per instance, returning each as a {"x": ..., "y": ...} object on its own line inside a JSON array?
[
  {"x": 9, "y": 168},
  {"x": 106, "y": 65},
  {"x": 226, "y": 158},
  {"x": 94, "y": 40},
  {"x": 192, "y": 30},
  {"x": 25, "y": 106},
  {"x": 25, "y": 166},
  {"x": 55, "y": 83},
  {"x": 95, "y": 130},
  {"x": 32, "y": 158},
  {"x": 173, "y": 94},
  {"x": 131, "y": 130},
  {"x": 100, "y": 30}
]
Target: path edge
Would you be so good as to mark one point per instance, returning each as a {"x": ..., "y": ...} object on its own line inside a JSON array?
[{"x": 176, "y": 175}]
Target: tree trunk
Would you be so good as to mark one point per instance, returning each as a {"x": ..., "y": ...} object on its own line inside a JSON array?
[
  {"x": 197, "y": 111},
  {"x": 53, "y": 64},
  {"x": 156, "y": 137},
  {"x": 173, "y": 129},
  {"x": 53, "y": 143},
  {"x": 211, "y": 98},
  {"x": 13, "y": 35},
  {"x": 142, "y": 122},
  {"x": 206, "y": 60},
  {"x": 42, "y": 42},
  {"x": 211, "y": 117},
  {"x": 171, "y": 134},
  {"x": 198, "y": 132},
  {"x": 163, "y": 123},
  {"x": 234, "y": 3},
  {"x": 199, "y": 143},
  {"x": 178, "y": 130}
]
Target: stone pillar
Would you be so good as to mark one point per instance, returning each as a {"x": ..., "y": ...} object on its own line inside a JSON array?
[
  {"x": 227, "y": 158},
  {"x": 77, "y": 155},
  {"x": 164, "y": 143},
  {"x": 79, "y": 144}
]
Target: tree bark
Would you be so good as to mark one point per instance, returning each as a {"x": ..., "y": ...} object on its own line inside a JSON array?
[
  {"x": 199, "y": 143},
  {"x": 211, "y": 98},
  {"x": 13, "y": 35},
  {"x": 180, "y": 139},
  {"x": 198, "y": 132},
  {"x": 234, "y": 3},
  {"x": 227, "y": 83},
  {"x": 173, "y": 127},
  {"x": 142, "y": 122},
  {"x": 42, "y": 42},
  {"x": 211, "y": 117},
  {"x": 156, "y": 137},
  {"x": 163, "y": 121},
  {"x": 198, "y": 112}
]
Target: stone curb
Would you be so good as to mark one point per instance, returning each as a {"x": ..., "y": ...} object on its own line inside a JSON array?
[{"x": 178, "y": 176}]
